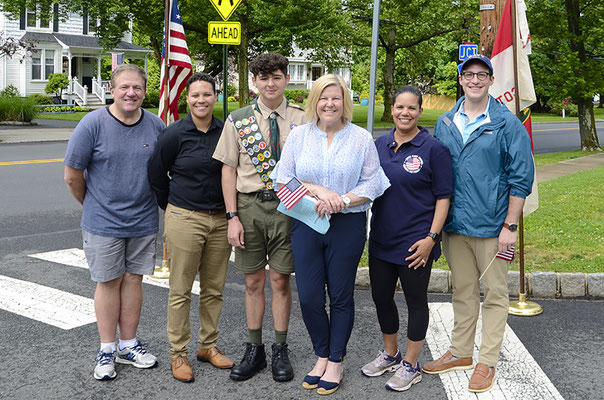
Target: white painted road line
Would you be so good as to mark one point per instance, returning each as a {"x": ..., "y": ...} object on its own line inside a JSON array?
[
  {"x": 518, "y": 375},
  {"x": 45, "y": 304}
]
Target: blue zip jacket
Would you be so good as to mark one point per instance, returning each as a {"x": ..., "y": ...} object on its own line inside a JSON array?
[{"x": 495, "y": 162}]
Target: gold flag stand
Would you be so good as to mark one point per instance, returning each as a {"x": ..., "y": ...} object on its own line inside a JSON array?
[
  {"x": 162, "y": 272},
  {"x": 522, "y": 307}
]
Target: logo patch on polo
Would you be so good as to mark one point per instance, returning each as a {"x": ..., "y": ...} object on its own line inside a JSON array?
[{"x": 413, "y": 164}]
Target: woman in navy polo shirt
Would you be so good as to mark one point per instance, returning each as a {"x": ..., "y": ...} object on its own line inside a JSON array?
[{"x": 405, "y": 233}]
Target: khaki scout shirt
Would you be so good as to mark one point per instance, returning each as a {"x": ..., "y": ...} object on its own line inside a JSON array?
[{"x": 231, "y": 152}]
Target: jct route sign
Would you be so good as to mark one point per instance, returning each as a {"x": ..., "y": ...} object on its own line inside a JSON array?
[
  {"x": 225, "y": 7},
  {"x": 220, "y": 32}
]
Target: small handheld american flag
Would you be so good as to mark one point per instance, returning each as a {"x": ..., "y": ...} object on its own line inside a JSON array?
[
  {"x": 291, "y": 192},
  {"x": 507, "y": 255}
]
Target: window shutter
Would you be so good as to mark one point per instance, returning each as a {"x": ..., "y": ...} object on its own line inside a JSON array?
[
  {"x": 85, "y": 21},
  {"x": 22, "y": 20},
  {"x": 55, "y": 17}
]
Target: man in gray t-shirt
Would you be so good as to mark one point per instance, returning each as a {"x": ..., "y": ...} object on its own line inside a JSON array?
[{"x": 106, "y": 171}]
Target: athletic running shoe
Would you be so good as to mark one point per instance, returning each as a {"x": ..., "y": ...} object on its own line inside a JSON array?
[
  {"x": 404, "y": 377},
  {"x": 136, "y": 355},
  {"x": 383, "y": 362},
  {"x": 105, "y": 365}
]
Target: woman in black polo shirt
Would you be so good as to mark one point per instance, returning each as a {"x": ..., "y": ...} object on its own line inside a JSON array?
[
  {"x": 186, "y": 181},
  {"x": 405, "y": 233}
]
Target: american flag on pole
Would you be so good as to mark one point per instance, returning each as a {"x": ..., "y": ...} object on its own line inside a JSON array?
[
  {"x": 507, "y": 255},
  {"x": 291, "y": 193},
  {"x": 116, "y": 59},
  {"x": 179, "y": 62}
]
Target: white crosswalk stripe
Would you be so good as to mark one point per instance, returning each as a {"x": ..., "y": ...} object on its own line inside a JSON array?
[
  {"x": 518, "y": 375},
  {"x": 45, "y": 304}
]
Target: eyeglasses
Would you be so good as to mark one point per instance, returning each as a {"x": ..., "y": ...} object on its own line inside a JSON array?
[{"x": 470, "y": 75}]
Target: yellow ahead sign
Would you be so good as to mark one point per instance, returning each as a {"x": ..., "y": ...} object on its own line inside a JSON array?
[
  {"x": 225, "y": 7},
  {"x": 224, "y": 32}
]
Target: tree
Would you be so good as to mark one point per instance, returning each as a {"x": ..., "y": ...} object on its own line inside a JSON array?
[
  {"x": 56, "y": 84},
  {"x": 406, "y": 24},
  {"x": 568, "y": 56},
  {"x": 9, "y": 47}
]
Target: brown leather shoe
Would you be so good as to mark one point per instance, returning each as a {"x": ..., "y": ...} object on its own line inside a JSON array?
[
  {"x": 482, "y": 379},
  {"x": 181, "y": 370},
  {"x": 214, "y": 357},
  {"x": 446, "y": 364}
]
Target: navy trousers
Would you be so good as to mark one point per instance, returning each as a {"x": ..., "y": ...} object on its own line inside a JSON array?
[{"x": 329, "y": 260}]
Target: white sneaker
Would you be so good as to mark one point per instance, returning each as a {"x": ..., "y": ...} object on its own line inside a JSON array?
[
  {"x": 136, "y": 355},
  {"x": 383, "y": 363},
  {"x": 405, "y": 376},
  {"x": 105, "y": 365}
]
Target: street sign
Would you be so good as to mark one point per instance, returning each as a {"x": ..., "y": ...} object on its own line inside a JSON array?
[
  {"x": 220, "y": 32},
  {"x": 466, "y": 50},
  {"x": 225, "y": 7}
]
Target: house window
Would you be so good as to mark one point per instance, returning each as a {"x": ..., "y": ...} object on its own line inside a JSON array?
[
  {"x": 42, "y": 69},
  {"x": 36, "y": 65},
  {"x": 49, "y": 66},
  {"x": 297, "y": 72},
  {"x": 45, "y": 18},
  {"x": 92, "y": 23},
  {"x": 31, "y": 18},
  {"x": 316, "y": 73}
]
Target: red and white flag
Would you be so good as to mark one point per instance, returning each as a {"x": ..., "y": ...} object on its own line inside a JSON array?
[
  {"x": 179, "y": 62},
  {"x": 116, "y": 59},
  {"x": 503, "y": 88},
  {"x": 291, "y": 193},
  {"x": 507, "y": 255}
]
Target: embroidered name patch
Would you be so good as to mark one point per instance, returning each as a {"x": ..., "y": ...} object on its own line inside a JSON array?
[{"x": 413, "y": 164}]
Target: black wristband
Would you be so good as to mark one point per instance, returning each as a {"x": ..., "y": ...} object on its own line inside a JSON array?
[{"x": 232, "y": 214}]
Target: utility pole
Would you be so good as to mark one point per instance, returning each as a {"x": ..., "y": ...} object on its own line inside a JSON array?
[{"x": 490, "y": 14}]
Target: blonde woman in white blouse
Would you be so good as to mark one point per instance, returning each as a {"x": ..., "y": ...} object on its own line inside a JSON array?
[{"x": 339, "y": 163}]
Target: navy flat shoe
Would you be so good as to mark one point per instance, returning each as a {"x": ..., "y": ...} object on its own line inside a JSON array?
[
  {"x": 325, "y": 387},
  {"x": 311, "y": 382}
]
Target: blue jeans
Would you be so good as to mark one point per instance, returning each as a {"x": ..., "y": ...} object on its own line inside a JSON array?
[{"x": 331, "y": 259}]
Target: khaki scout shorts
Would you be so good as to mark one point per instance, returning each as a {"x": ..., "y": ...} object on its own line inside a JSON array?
[{"x": 267, "y": 235}]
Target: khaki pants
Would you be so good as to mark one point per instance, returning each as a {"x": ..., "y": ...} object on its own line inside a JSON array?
[
  {"x": 468, "y": 257},
  {"x": 195, "y": 242}
]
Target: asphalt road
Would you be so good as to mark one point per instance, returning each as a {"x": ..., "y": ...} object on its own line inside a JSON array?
[{"x": 40, "y": 361}]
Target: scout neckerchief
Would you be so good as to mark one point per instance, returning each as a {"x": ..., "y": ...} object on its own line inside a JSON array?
[
  {"x": 251, "y": 138},
  {"x": 274, "y": 134}
]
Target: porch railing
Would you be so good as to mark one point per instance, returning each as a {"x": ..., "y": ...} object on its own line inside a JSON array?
[
  {"x": 98, "y": 90},
  {"x": 80, "y": 91}
]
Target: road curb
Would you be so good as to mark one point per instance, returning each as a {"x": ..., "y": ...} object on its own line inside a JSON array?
[{"x": 545, "y": 285}]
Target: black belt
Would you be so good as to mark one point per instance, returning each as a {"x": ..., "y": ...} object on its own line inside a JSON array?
[
  {"x": 212, "y": 212},
  {"x": 264, "y": 195}
]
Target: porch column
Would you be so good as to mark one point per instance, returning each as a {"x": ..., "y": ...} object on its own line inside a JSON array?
[
  {"x": 98, "y": 68},
  {"x": 145, "y": 63},
  {"x": 69, "y": 56}
]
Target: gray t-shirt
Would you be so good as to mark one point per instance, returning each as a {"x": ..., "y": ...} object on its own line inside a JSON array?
[{"x": 119, "y": 201}]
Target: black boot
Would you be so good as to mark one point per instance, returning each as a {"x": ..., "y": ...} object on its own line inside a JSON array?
[
  {"x": 253, "y": 361},
  {"x": 282, "y": 368}
]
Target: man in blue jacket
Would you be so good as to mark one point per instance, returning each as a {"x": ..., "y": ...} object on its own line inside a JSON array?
[{"x": 493, "y": 173}]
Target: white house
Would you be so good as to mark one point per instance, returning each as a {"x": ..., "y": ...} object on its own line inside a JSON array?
[
  {"x": 69, "y": 47},
  {"x": 303, "y": 72}
]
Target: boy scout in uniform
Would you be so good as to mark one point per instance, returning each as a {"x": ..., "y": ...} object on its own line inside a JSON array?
[{"x": 249, "y": 148}]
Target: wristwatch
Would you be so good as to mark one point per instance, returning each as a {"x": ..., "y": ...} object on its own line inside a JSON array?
[
  {"x": 510, "y": 227},
  {"x": 433, "y": 236},
  {"x": 231, "y": 214},
  {"x": 346, "y": 201}
]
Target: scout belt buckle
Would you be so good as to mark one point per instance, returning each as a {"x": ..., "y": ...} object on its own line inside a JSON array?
[{"x": 267, "y": 195}]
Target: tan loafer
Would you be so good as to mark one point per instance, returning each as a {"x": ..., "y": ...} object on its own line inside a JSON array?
[
  {"x": 181, "y": 370},
  {"x": 446, "y": 364},
  {"x": 214, "y": 357},
  {"x": 482, "y": 379}
]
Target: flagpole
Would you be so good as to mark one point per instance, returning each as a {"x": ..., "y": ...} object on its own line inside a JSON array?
[
  {"x": 520, "y": 307},
  {"x": 163, "y": 272}
]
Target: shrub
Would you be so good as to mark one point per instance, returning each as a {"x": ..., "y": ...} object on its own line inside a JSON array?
[
  {"x": 231, "y": 90},
  {"x": 10, "y": 91},
  {"x": 182, "y": 103},
  {"x": 151, "y": 98},
  {"x": 17, "y": 109},
  {"x": 56, "y": 84},
  {"x": 231, "y": 99},
  {"x": 299, "y": 99},
  {"x": 292, "y": 94},
  {"x": 40, "y": 99},
  {"x": 571, "y": 109}
]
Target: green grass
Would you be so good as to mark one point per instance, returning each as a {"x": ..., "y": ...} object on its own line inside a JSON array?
[
  {"x": 551, "y": 158},
  {"x": 76, "y": 116},
  {"x": 566, "y": 232}
]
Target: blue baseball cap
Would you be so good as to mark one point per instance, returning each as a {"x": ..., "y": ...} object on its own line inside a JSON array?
[{"x": 476, "y": 57}]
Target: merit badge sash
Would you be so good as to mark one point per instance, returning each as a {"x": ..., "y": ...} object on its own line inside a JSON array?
[{"x": 251, "y": 138}]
